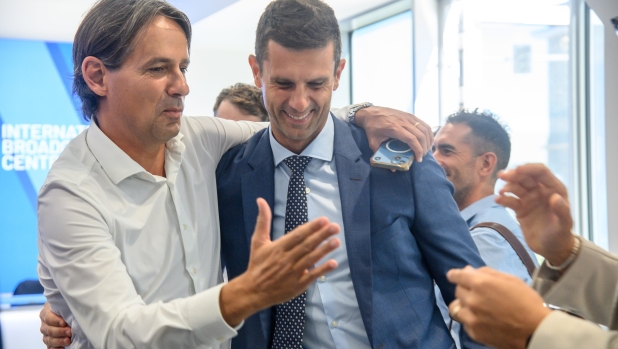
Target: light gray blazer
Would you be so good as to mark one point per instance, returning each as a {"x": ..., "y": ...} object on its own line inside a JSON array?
[{"x": 589, "y": 288}]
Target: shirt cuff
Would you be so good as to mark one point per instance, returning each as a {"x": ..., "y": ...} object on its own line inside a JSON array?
[{"x": 206, "y": 320}]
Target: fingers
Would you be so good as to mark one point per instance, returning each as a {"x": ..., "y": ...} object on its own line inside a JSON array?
[
  {"x": 318, "y": 271},
  {"x": 56, "y": 342},
  {"x": 307, "y": 248},
  {"x": 300, "y": 235},
  {"x": 261, "y": 234},
  {"x": 414, "y": 138},
  {"x": 307, "y": 261},
  {"x": 49, "y": 318},
  {"x": 462, "y": 277},
  {"x": 530, "y": 175},
  {"x": 561, "y": 208}
]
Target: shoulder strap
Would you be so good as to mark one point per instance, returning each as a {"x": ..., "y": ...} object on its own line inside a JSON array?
[{"x": 511, "y": 239}]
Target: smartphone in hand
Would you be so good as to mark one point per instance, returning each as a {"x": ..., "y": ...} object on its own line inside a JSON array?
[{"x": 393, "y": 154}]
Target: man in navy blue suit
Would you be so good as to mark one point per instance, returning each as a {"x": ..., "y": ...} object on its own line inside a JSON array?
[{"x": 400, "y": 231}]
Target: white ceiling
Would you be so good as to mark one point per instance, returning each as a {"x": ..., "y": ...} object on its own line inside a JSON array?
[{"x": 232, "y": 28}]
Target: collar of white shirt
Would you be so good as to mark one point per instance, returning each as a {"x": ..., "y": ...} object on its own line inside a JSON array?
[
  {"x": 115, "y": 162},
  {"x": 320, "y": 148}
]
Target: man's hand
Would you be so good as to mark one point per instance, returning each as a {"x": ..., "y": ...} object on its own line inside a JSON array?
[
  {"x": 542, "y": 209},
  {"x": 496, "y": 309},
  {"x": 56, "y": 333},
  {"x": 278, "y": 270},
  {"x": 382, "y": 123}
]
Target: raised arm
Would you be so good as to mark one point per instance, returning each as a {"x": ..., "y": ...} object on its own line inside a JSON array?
[{"x": 381, "y": 123}]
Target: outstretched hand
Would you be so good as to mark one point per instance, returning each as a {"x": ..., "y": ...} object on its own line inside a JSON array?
[
  {"x": 495, "y": 309},
  {"x": 540, "y": 201},
  {"x": 278, "y": 270},
  {"x": 381, "y": 123}
]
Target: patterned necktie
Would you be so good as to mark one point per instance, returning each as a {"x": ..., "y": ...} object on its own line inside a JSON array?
[{"x": 290, "y": 318}]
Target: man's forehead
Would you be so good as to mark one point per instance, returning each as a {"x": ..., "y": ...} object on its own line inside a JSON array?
[
  {"x": 162, "y": 39},
  {"x": 454, "y": 134}
]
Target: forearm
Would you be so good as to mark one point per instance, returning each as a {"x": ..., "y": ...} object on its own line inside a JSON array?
[
  {"x": 219, "y": 135},
  {"x": 562, "y": 331},
  {"x": 182, "y": 323},
  {"x": 589, "y": 286}
]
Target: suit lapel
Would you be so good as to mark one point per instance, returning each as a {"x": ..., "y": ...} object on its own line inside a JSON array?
[
  {"x": 258, "y": 182},
  {"x": 353, "y": 176}
]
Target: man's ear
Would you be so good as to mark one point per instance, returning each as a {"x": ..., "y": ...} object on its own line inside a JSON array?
[
  {"x": 94, "y": 73},
  {"x": 255, "y": 69},
  {"x": 338, "y": 73},
  {"x": 488, "y": 164}
]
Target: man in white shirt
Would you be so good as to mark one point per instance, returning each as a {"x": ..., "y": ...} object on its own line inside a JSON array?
[{"x": 128, "y": 230}]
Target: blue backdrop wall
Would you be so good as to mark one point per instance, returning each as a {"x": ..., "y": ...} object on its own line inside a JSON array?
[{"x": 38, "y": 116}]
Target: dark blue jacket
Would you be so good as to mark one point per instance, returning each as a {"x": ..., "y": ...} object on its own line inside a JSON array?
[{"x": 403, "y": 231}]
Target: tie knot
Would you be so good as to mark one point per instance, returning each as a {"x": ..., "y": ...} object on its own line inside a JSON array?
[{"x": 297, "y": 163}]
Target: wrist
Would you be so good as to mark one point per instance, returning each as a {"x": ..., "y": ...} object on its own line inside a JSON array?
[
  {"x": 535, "y": 323},
  {"x": 238, "y": 301},
  {"x": 562, "y": 260},
  {"x": 358, "y": 112}
]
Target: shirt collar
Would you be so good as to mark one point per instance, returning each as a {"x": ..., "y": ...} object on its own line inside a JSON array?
[
  {"x": 114, "y": 161},
  {"x": 320, "y": 148},
  {"x": 481, "y": 205}
]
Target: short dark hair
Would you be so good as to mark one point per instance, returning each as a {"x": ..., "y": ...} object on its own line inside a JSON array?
[
  {"x": 109, "y": 32},
  {"x": 488, "y": 134},
  {"x": 245, "y": 97},
  {"x": 297, "y": 25}
]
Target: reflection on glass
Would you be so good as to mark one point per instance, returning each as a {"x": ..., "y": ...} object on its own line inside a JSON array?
[
  {"x": 382, "y": 63},
  {"x": 512, "y": 57}
]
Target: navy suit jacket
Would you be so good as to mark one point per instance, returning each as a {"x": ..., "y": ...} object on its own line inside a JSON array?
[{"x": 403, "y": 231}]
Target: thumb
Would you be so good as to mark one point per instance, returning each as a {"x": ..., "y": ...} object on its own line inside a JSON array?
[
  {"x": 561, "y": 208},
  {"x": 261, "y": 234}
]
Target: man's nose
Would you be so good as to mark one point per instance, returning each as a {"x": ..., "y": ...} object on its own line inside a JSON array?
[
  {"x": 299, "y": 100},
  {"x": 178, "y": 84}
]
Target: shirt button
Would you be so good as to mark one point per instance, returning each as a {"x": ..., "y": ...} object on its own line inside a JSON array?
[
  {"x": 307, "y": 190},
  {"x": 334, "y": 324},
  {"x": 322, "y": 278},
  {"x": 184, "y": 226},
  {"x": 194, "y": 271}
]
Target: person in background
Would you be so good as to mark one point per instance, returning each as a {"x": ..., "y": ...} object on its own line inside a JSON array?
[
  {"x": 502, "y": 311},
  {"x": 240, "y": 102},
  {"x": 471, "y": 148}
]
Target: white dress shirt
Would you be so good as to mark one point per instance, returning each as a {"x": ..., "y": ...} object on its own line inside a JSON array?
[
  {"x": 332, "y": 317},
  {"x": 132, "y": 260}
]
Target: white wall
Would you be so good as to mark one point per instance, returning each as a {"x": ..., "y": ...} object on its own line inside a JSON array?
[{"x": 209, "y": 72}]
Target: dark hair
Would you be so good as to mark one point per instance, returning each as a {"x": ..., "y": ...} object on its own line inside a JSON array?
[
  {"x": 247, "y": 98},
  {"x": 488, "y": 134},
  {"x": 297, "y": 25},
  {"x": 109, "y": 32}
]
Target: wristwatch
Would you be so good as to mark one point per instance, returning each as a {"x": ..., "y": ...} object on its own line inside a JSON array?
[{"x": 356, "y": 107}]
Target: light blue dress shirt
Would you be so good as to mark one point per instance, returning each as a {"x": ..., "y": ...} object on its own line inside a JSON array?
[
  {"x": 332, "y": 317},
  {"x": 494, "y": 249}
]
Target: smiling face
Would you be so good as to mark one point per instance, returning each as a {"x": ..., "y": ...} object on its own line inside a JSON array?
[
  {"x": 455, "y": 154},
  {"x": 297, "y": 88},
  {"x": 143, "y": 100}
]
